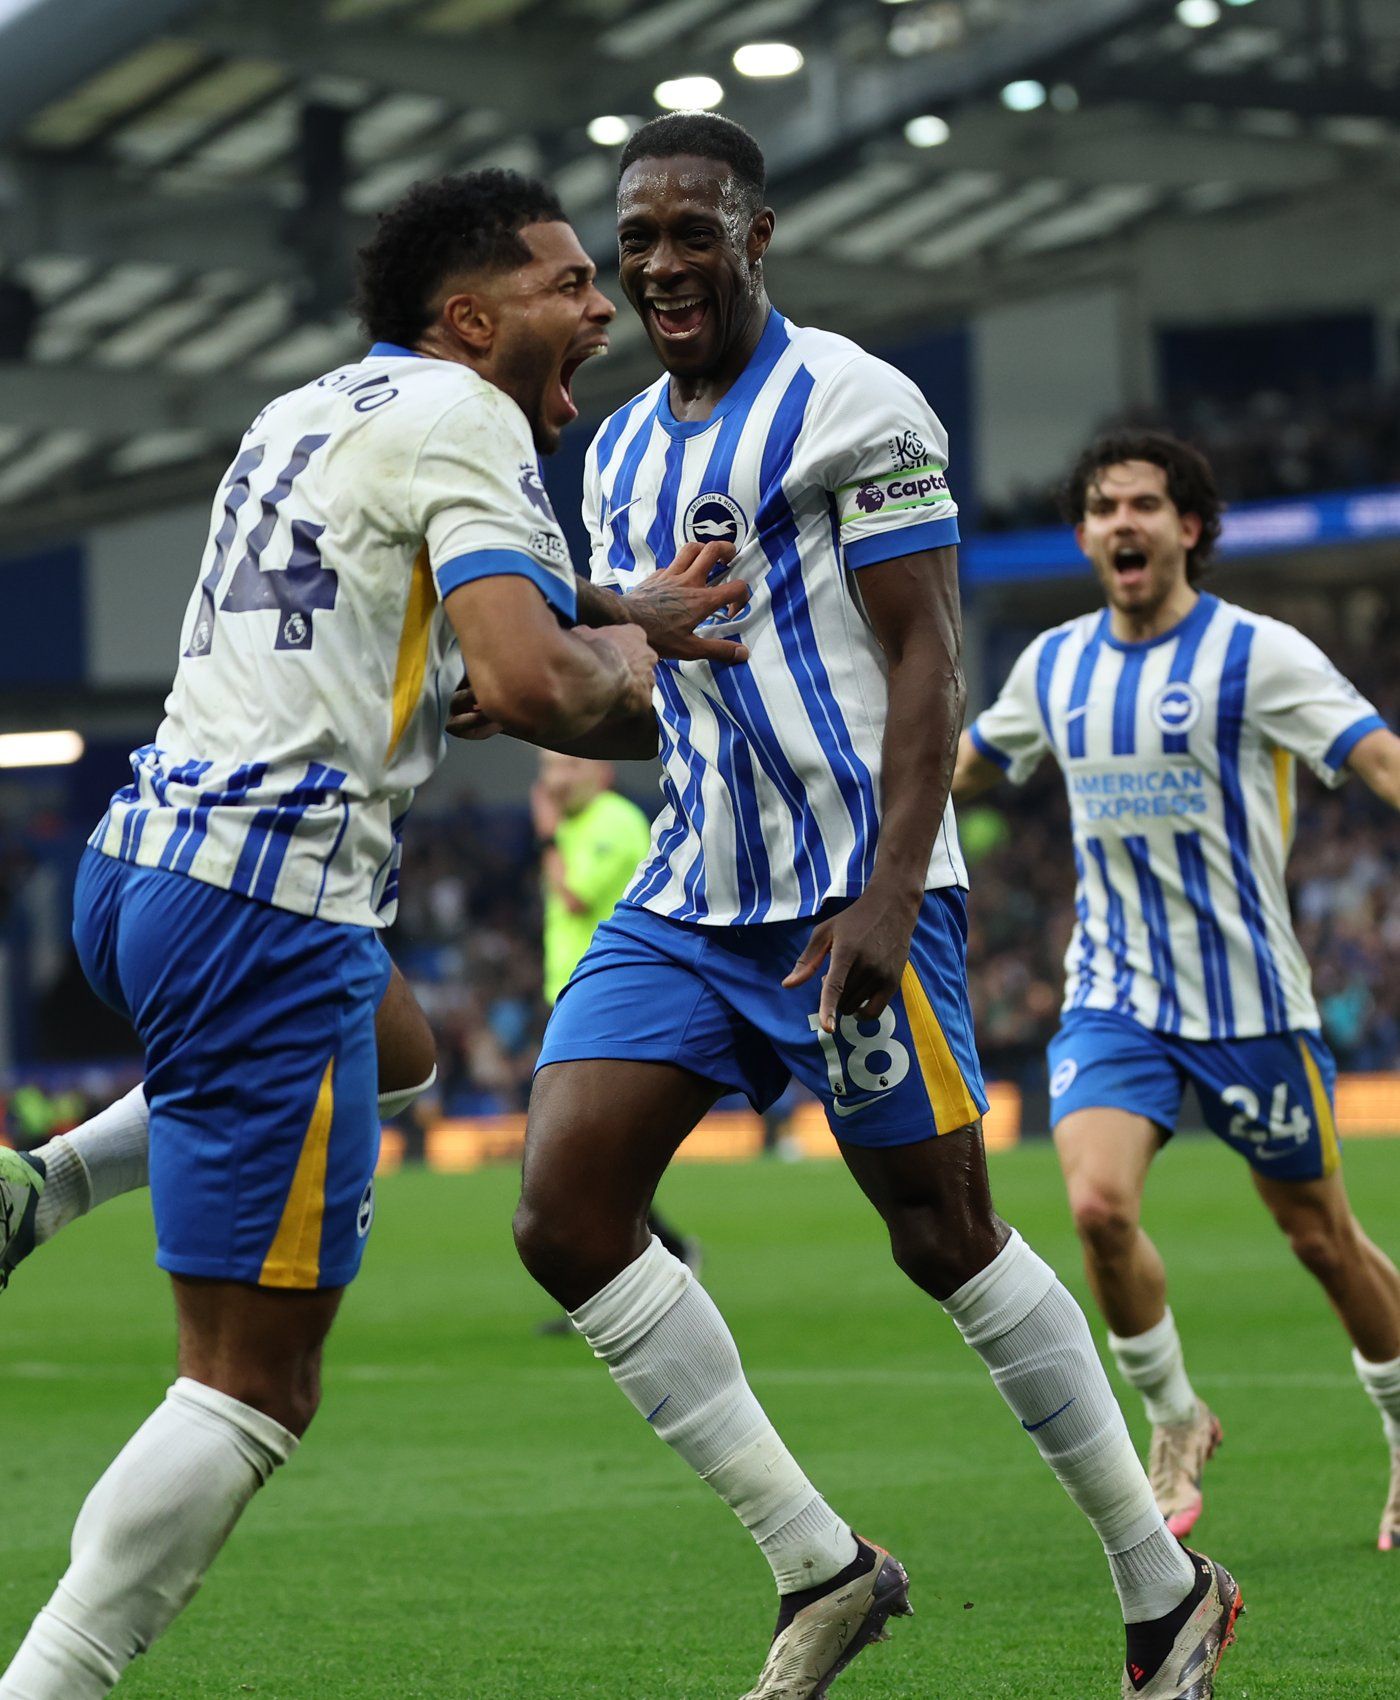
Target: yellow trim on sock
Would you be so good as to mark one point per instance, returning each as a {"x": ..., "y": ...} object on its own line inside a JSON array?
[
  {"x": 953, "y": 1105},
  {"x": 294, "y": 1259},
  {"x": 1322, "y": 1111}
]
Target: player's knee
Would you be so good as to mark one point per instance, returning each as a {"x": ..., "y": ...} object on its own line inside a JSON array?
[
  {"x": 1325, "y": 1249},
  {"x": 940, "y": 1257},
  {"x": 550, "y": 1245},
  {"x": 1106, "y": 1220}
]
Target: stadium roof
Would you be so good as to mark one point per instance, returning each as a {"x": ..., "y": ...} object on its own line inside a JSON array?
[{"x": 181, "y": 182}]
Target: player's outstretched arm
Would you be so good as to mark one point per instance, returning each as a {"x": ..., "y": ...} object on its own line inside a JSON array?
[
  {"x": 974, "y": 774},
  {"x": 912, "y": 603},
  {"x": 534, "y": 679},
  {"x": 1376, "y": 762}
]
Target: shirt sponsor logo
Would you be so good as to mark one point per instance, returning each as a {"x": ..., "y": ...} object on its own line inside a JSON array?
[
  {"x": 1139, "y": 792},
  {"x": 714, "y": 518},
  {"x": 1176, "y": 707}
]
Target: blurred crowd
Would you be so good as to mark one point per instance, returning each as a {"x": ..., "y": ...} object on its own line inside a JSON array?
[
  {"x": 468, "y": 939},
  {"x": 1270, "y": 444}
]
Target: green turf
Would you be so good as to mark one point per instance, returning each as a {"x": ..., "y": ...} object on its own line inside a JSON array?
[{"x": 477, "y": 1512}]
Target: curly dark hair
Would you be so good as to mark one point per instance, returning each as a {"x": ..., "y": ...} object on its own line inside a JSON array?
[
  {"x": 706, "y": 136},
  {"x": 1190, "y": 483},
  {"x": 463, "y": 224}
]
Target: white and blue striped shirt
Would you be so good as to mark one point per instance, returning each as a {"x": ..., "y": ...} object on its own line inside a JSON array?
[
  {"x": 317, "y": 661},
  {"x": 819, "y": 461},
  {"x": 1178, "y": 756}
]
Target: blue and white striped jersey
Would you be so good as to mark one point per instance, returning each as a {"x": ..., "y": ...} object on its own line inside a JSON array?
[
  {"x": 1178, "y": 756},
  {"x": 317, "y": 662},
  {"x": 819, "y": 461}
]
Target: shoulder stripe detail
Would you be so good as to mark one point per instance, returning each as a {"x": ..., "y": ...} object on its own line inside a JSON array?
[
  {"x": 1044, "y": 673},
  {"x": 611, "y": 433},
  {"x": 1079, "y": 691},
  {"x": 1183, "y": 661}
]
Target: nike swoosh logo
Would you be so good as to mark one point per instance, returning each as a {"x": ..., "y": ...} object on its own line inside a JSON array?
[
  {"x": 612, "y": 513},
  {"x": 1030, "y": 1428},
  {"x": 1075, "y": 713},
  {"x": 843, "y": 1109}
]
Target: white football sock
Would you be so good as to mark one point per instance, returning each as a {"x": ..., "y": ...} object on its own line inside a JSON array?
[
  {"x": 144, "y": 1539},
  {"x": 668, "y": 1349},
  {"x": 392, "y": 1104},
  {"x": 1033, "y": 1337},
  {"x": 1382, "y": 1384},
  {"x": 100, "y": 1159},
  {"x": 1153, "y": 1363}
]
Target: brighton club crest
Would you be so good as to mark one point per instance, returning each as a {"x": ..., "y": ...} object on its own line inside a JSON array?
[{"x": 714, "y": 518}]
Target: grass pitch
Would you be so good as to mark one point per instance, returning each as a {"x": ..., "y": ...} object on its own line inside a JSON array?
[{"x": 477, "y": 1512}]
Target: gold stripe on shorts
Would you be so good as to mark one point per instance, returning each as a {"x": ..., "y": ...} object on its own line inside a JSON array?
[
  {"x": 294, "y": 1259},
  {"x": 953, "y": 1104},
  {"x": 1322, "y": 1111}
]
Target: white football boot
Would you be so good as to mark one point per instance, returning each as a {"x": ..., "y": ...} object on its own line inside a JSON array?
[
  {"x": 1188, "y": 1670},
  {"x": 813, "y": 1644}
]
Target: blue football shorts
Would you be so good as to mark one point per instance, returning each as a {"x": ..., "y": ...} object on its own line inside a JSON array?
[
  {"x": 711, "y": 1000},
  {"x": 1270, "y": 1098},
  {"x": 261, "y": 1070}
]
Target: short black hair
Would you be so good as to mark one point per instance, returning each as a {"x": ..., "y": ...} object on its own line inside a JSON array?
[
  {"x": 466, "y": 223},
  {"x": 705, "y": 135},
  {"x": 1190, "y": 483}
]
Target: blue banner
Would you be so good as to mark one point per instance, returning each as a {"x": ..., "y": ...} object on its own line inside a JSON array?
[{"x": 1250, "y": 528}]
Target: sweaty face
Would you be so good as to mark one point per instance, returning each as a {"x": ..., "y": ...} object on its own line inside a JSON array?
[
  {"x": 1135, "y": 537},
  {"x": 688, "y": 248},
  {"x": 550, "y": 318}
]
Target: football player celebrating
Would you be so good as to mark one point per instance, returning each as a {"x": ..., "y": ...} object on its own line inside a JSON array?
[
  {"x": 378, "y": 527},
  {"x": 1177, "y": 719},
  {"x": 802, "y": 912}
]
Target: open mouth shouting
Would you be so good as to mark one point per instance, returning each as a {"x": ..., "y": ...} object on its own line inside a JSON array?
[
  {"x": 1129, "y": 565},
  {"x": 678, "y": 319},
  {"x": 571, "y": 363}
]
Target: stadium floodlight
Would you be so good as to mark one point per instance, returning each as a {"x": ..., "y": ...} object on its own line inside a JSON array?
[
  {"x": 1064, "y": 97},
  {"x": 40, "y": 749},
  {"x": 767, "y": 59},
  {"x": 926, "y": 131},
  {"x": 1023, "y": 96},
  {"x": 1198, "y": 14},
  {"x": 1239, "y": 2},
  {"x": 688, "y": 94},
  {"x": 609, "y": 130}
]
